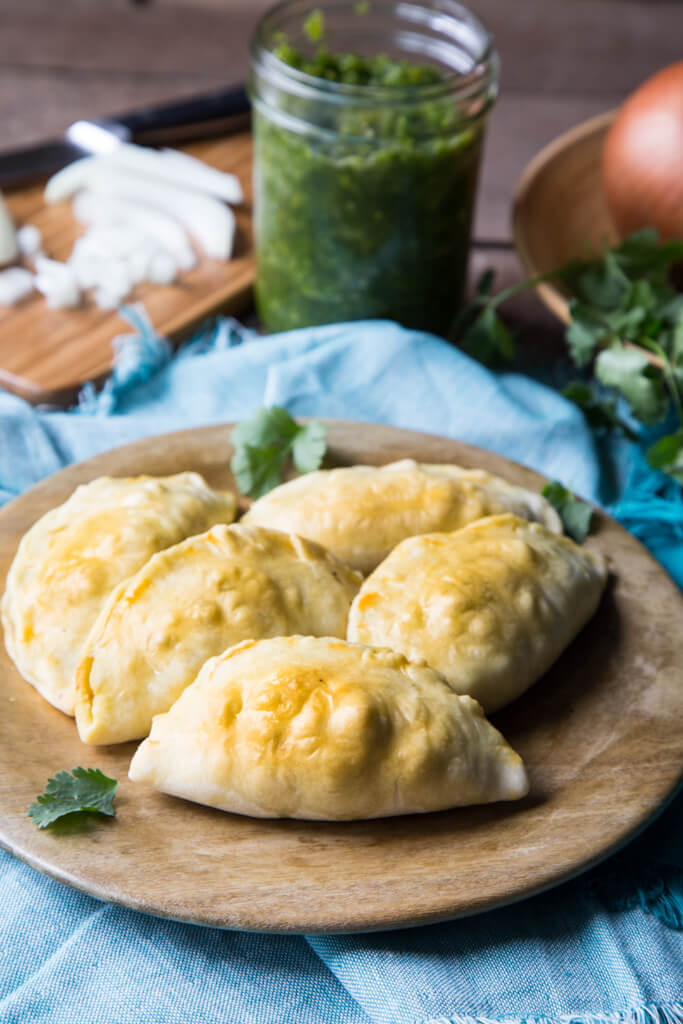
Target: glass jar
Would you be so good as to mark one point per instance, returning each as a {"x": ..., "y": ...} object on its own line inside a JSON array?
[{"x": 364, "y": 194}]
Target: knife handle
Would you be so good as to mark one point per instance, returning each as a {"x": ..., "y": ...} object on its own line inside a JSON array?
[{"x": 211, "y": 113}]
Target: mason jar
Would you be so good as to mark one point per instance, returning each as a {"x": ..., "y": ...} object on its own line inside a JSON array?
[{"x": 364, "y": 193}]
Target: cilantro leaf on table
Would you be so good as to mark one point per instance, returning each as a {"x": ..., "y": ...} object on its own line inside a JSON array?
[
  {"x": 264, "y": 442},
  {"x": 575, "y": 514},
  {"x": 82, "y": 791}
]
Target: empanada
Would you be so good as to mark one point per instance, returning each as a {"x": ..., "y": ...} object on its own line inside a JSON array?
[
  {"x": 490, "y": 606},
  {"x": 71, "y": 559},
  {"x": 300, "y": 727},
  {"x": 361, "y": 512},
  {"x": 193, "y": 601}
]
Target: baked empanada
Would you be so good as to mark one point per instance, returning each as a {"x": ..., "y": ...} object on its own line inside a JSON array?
[
  {"x": 490, "y": 606},
  {"x": 361, "y": 512},
  {"x": 300, "y": 727},
  {"x": 71, "y": 559},
  {"x": 192, "y": 601}
]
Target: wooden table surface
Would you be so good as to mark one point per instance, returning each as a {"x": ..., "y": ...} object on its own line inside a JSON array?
[{"x": 563, "y": 61}]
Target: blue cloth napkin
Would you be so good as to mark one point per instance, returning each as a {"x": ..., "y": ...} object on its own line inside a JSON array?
[{"x": 603, "y": 949}]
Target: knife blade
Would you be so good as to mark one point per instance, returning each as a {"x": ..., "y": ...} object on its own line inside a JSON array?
[{"x": 224, "y": 111}]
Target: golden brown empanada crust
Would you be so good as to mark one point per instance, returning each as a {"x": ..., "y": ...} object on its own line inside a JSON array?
[
  {"x": 318, "y": 728},
  {"x": 361, "y": 512},
  {"x": 490, "y": 606}
]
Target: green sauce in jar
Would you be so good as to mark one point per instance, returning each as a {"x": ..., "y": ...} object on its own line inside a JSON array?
[{"x": 365, "y": 179}]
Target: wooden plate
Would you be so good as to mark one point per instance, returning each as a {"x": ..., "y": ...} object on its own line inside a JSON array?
[
  {"x": 559, "y": 211},
  {"x": 600, "y": 734},
  {"x": 59, "y": 349}
]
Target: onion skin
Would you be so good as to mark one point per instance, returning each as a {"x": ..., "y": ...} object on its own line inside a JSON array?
[{"x": 642, "y": 160}]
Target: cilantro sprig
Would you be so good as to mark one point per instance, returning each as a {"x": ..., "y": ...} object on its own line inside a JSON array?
[
  {"x": 626, "y": 324},
  {"x": 576, "y": 515},
  {"x": 83, "y": 791},
  {"x": 264, "y": 443}
]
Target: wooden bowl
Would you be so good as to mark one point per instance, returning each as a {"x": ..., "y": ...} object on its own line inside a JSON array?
[{"x": 559, "y": 210}]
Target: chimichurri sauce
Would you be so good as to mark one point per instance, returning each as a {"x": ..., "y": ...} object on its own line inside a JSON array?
[{"x": 371, "y": 220}]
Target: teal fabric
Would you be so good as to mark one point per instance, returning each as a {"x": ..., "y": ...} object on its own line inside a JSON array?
[{"x": 605, "y": 947}]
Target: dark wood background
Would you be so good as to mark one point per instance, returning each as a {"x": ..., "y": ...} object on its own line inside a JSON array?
[{"x": 563, "y": 61}]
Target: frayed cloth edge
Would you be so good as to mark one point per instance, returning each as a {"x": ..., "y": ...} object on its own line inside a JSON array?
[{"x": 648, "y": 1013}]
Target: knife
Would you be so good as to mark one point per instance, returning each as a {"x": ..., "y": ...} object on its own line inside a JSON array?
[{"x": 213, "y": 113}]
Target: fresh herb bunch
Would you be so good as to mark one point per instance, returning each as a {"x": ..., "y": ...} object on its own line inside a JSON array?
[
  {"x": 263, "y": 444},
  {"x": 626, "y": 321},
  {"x": 81, "y": 792}
]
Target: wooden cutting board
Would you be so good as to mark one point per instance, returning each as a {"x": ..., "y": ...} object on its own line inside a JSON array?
[
  {"x": 600, "y": 735},
  {"x": 46, "y": 354}
]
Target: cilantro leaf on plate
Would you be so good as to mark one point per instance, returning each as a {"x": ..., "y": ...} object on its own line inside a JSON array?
[
  {"x": 575, "y": 514},
  {"x": 84, "y": 790},
  {"x": 264, "y": 442},
  {"x": 309, "y": 446}
]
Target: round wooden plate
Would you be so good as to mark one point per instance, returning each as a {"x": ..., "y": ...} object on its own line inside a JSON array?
[{"x": 600, "y": 735}]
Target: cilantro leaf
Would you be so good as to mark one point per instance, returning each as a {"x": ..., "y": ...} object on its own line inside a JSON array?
[
  {"x": 630, "y": 372},
  {"x": 626, "y": 323},
  {"x": 309, "y": 446},
  {"x": 487, "y": 339},
  {"x": 676, "y": 342},
  {"x": 642, "y": 254},
  {"x": 575, "y": 514},
  {"x": 84, "y": 790},
  {"x": 667, "y": 455},
  {"x": 600, "y": 412},
  {"x": 604, "y": 284},
  {"x": 584, "y": 333},
  {"x": 263, "y": 444},
  {"x": 485, "y": 281},
  {"x": 258, "y": 469}
]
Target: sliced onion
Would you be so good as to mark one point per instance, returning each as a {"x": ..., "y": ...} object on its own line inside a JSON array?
[
  {"x": 171, "y": 166},
  {"x": 209, "y": 221},
  {"x": 196, "y": 174},
  {"x": 15, "y": 284}
]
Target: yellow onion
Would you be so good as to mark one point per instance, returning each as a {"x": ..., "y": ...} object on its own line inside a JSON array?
[{"x": 642, "y": 162}]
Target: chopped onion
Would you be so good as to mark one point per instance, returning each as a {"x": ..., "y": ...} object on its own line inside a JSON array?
[
  {"x": 15, "y": 284},
  {"x": 98, "y": 208},
  {"x": 58, "y": 283},
  {"x": 29, "y": 241},
  {"x": 108, "y": 298},
  {"x": 162, "y": 268},
  {"x": 8, "y": 237}
]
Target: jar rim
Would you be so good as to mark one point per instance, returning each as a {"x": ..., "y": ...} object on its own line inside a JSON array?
[{"x": 462, "y": 86}]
